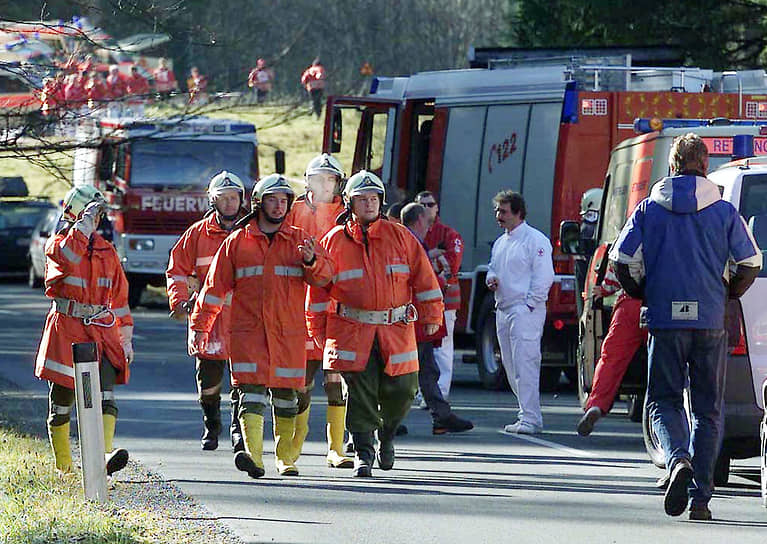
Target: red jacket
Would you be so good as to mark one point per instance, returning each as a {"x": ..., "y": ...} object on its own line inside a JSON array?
[
  {"x": 313, "y": 77},
  {"x": 192, "y": 256},
  {"x": 443, "y": 237},
  {"x": 116, "y": 87},
  {"x": 317, "y": 222},
  {"x": 137, "y": 85},
  {"x": 89, "y": 276},
  {"x": 164, "y": 80},
  {"x": 268, "y": 321},
  {"x": 382, "y": 269}
]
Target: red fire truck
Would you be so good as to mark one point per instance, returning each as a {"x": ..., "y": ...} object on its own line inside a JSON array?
[
  {"x": 154, "y": 174},
  {"x": 544, "y": 130}
]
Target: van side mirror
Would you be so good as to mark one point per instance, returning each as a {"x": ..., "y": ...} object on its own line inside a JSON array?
[
  {"x": 570, "y": 237},
  {"x": 279, "y": 161},
  {"x": 336, "y": 131}
]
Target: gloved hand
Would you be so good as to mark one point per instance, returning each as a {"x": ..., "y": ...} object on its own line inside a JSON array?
[
  {"x": 181, "y": 312},
  {"x": 126, "y": 339},
  {"x": 90, "y": 218},
  {"x": 430, "y": 329},
  {"x": 198, "y": 340}
]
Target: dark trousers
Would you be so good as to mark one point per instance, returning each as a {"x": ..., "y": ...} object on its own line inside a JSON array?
[
  {"x": 316, "y": 95},
  {"x": 674, "y": 354},
  {"x": 61, "y": 399},
  {"x": 375, "y": 399},
  {"x": 428, "y": 381}
]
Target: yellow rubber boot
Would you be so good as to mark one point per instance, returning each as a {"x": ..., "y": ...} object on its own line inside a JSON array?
[
  {"x": 299, "y": 436},
  {"x": 251, "y": 460},
  {"x": 59, "y": 436},
  {"x": 110, "y": 422},
  {"x": 335, "y": 432},
  {"x": 284, "y": 429}
]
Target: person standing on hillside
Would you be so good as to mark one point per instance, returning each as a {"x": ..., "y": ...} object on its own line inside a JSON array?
[
  {"x": 313, "y": 80},
  {"x": 260, "y": 79},
  {"x": 164, "y": 79}
]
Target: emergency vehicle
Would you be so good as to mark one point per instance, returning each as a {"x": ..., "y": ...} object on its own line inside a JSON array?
[
  {"x": 154, "y": 174},
  {"x": 635, "y": 164},
  {"x": 543, "y": 130}
]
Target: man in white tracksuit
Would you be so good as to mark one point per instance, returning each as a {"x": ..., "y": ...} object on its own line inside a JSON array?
[{"x": 520, "y": 273}]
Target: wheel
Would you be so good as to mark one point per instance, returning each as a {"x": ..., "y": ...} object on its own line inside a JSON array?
[
  {"x": 33, "y": 280},
  {"x": 722, "y": 470},
  {"x": 580, "y": 383},
  {"x": 763, "y": 463},
  {"x": 491, "y": 372},
  {"x": 135, "y": 290},
  {"x": 651, "y": 442},
  {"x": 550, "y": 378},
  {"x": 635, "y": 406}
]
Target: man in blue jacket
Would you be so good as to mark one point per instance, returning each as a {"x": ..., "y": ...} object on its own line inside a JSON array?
[{"x": 685, "y": 250}]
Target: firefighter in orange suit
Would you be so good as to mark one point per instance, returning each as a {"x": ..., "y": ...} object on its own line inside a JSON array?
[
  {"x": 264, "y": 264},
  {"x": 190, "y": 259},
  {"x": 316, "y": 213},
  {"x": 383, "y": 282},
  {"x": 84, "y": 278}
]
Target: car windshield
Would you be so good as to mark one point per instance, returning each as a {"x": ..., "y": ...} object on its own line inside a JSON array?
[
  {"x": 753, "y": 208},
  {"x": 184, "y": 164},
  {"x": 20, "y": 215}
]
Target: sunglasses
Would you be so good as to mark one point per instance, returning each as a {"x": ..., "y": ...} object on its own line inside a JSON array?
[{"x": 428, "y": 204}]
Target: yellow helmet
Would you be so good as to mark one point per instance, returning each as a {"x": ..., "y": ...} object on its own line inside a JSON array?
[{"x": 78, "y": 198}]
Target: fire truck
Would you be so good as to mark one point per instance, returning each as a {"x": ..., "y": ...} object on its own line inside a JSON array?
[
  {"x": 545, "y": 130},
  {"x": 154, "y": 174}
]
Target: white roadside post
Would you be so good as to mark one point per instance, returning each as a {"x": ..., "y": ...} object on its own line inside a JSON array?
[{"x": 90, "y": 427}]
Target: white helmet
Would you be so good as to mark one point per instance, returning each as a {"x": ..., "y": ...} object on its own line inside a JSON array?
[
  {"x": 78, "y": 198},
  {"x": 591, "y": 200},
  {"x": 273, "y": 183},
  {"x": 324, "y": 163},
  {"x": 225, "y": 181},
  {"x": 364, "y": 181}
]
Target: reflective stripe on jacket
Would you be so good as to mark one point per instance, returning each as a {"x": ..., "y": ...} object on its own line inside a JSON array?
[
  {"x": 317, "y": 222},
  {"x": 74, "y": 272},
  {"x": 192, "y": 256},
  {"x": 382, "y": 269},
  {"x": 267, "y": 322}
]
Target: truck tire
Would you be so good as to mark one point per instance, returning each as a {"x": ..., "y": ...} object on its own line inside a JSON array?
[
  {"x": 491, "y": 373},
  {"x": 135, "y": 290},
  {"x": 580, "y": 382},
  {"x": 651, "y": 442},
  {"x": 635, "y": 407}
]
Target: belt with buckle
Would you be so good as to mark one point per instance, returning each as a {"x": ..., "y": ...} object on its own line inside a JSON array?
[
  {"x": 401, "y": 314},
  {"x": 87, "y": 312}
]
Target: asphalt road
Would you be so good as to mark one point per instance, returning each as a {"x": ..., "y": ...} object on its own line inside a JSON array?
[{"x": 480, "y": 486}]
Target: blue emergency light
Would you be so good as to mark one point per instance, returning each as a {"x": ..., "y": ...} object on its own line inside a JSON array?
[{"x": 643, "y": 125}]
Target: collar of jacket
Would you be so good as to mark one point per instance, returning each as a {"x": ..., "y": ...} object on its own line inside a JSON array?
[
  {"x": 373, "y": 231},
  {"x": 252, "y": 229}
]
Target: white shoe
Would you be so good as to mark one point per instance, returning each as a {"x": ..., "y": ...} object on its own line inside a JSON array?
[{"x": 522, "y": 427}]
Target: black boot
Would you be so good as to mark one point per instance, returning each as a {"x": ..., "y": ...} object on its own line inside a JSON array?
[
  {"x": 116, "y": 460},
  {"x": 212, "y": 421},
  {"x": 238, "y": 444},
  {"x": 364, "y": 451},
  {"x": 385, "y": 454}
]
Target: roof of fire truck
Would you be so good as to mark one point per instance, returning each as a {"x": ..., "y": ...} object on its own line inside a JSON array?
[
  {"x": 541, "y": 80},
  {"x": 171, "y": 127}
]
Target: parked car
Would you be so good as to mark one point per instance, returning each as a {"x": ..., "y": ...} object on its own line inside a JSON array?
[
  {"x": 45, "y": 227},
  {"x": 18, "y": 217}
]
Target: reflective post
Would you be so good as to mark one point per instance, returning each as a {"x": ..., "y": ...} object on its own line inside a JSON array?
[{"x": 90, "y": 426}]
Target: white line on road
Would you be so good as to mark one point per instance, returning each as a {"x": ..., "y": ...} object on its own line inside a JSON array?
[{"x": 549, "y": 444}]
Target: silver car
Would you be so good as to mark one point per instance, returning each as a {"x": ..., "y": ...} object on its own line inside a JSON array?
[{"x": 44, "y": 228}]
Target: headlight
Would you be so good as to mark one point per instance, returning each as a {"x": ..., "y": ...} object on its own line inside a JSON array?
[{"x": 141, "y": 244}]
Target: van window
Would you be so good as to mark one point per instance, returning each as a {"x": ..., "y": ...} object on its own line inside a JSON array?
[
  {"x": 616, "y": 202},
  {"x": 753, "y": 208}
]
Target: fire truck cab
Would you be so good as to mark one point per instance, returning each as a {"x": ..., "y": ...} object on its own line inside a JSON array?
[
  {"x": 154, "y": 174},
  {"x": 544, "y": 130}
]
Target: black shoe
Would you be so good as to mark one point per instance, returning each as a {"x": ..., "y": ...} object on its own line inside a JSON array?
[
  {"x": 211, "y": 421},
  {"x": 363, "y": 454},
  {"x": 245, "y": 463},
  {"x": 238, "y": 444},
  {"x": 349, "y": 448},
  {"x": 401, "y": 430},
  {"x": 700, "y": 512},
  {"x": 452, "y": 424},
  {"x": 589, "y": 419},
  {"x": 662, "y": 482},
  {"x": 209, "y": 441},
  {"x": 385, "y": 455},
  {"x": 361, "y": 469},
  {"x": 116, "y": 460},
  {"x": 677, "y": 494}
]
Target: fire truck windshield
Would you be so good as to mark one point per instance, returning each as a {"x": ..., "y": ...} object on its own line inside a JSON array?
[{"x": 186, "y": 164}]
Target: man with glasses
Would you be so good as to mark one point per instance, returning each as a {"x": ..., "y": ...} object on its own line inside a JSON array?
[{"x": 445, "y": 248}]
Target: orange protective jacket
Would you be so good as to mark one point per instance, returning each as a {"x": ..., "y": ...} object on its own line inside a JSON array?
[
  {"x": 268, "y": 320},
  {"x": 88, "y": 276},
  {"x": 384, "y": 268},
  {"x": 316, "y": 220},
  {"x": 443, "y": 237},
  {"x": 191, "y": 256},
  {"x": 313, "y": 77}
]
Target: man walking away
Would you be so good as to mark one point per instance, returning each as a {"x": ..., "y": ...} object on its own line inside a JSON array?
[{"x": 676, "y": 251}]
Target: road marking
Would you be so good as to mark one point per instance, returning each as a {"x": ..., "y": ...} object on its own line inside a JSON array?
[{"x": 549, "y": 444}]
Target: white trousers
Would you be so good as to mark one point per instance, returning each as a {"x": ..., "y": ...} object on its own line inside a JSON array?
[
  {"x": 519, "y": 334},
  {"x": 443, "y": 355}
]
